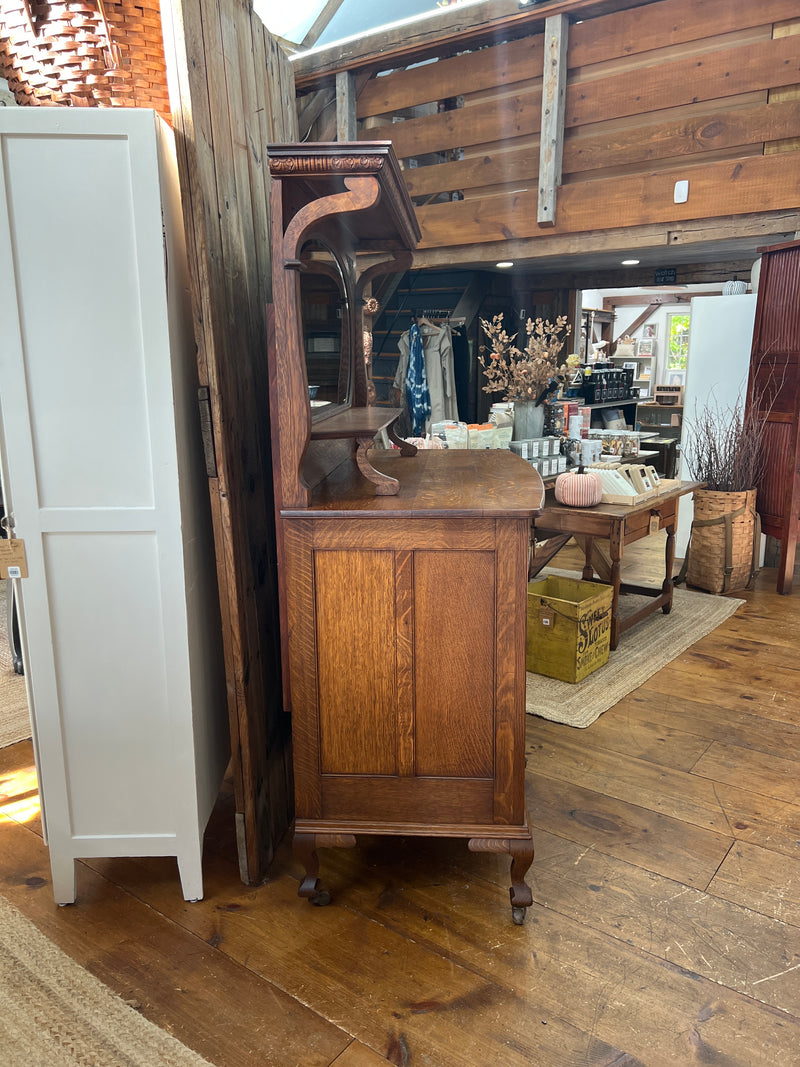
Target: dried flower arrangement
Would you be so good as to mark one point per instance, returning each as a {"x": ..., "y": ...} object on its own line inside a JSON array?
[{"x": 529, "y": 373}]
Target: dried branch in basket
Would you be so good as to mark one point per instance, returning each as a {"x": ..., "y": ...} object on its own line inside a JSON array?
[{"x": 724, "y": 445}]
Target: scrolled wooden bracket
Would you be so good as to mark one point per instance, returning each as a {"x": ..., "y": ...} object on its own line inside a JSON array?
[
  {"x": 384, "y": 485},
  {"x": 361, "y": 193},
  {"x": 406, "y": 448}
]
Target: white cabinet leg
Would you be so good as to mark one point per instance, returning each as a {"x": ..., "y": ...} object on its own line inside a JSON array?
[
  {"x": 190, "y": 868},
  {"x": 63, "y": 871}
]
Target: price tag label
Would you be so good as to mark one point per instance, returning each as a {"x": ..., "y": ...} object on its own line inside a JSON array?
[
  {"x": 655, "y": 521},
  {"x": 546, "y": 616},
  {"x": 12, "y": 559}
]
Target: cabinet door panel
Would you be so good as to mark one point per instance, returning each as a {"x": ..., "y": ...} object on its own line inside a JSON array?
[
  {"x": 454, "y": 624},
  {"x": 356, "y": 662}
]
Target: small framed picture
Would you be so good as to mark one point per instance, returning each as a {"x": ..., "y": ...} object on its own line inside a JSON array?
[
  {"x": 630, "y": 366},
  {"x": 645, "y": 346},
  {"x": 650, "y": 329},
  {"x": 676, "y": 378}
]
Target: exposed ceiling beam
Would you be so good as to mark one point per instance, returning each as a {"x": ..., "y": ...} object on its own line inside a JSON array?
[
  {"x": 724, "y": 240},
  {"x": 640, "y": 320},
  {"x": 443, "y": 32},
  {"x": 320, "y": 23}
]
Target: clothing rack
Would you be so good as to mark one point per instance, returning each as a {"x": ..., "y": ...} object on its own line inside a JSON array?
[{"x": 439, "y": 316}]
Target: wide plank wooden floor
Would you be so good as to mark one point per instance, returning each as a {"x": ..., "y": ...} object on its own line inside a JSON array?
[{"x": 665, "y": 927}]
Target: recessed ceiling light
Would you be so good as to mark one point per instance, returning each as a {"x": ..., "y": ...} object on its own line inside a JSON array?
[
  {"x": 630, "y": 262},
  {"x": 504, "y": 264}
]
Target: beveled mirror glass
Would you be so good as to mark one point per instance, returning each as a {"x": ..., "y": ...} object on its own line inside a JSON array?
[{"x": 325, "y": 327}]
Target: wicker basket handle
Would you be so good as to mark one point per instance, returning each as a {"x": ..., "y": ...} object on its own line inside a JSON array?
[
  {"x": 114, "y": 59},
  {"x": 32, "y": 26}
]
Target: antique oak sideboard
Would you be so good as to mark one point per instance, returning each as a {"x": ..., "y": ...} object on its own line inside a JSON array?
[{"x": 403, "y": 574}]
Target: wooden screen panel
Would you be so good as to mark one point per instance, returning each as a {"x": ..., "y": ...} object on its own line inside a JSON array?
[
  {"x": 779, "y": 324},
  {"x": 773, "y": 487},
  {"x": 356, "y": 662},
  {"x": 229, "y": 84},
  {"x": 775, "y": 381},
  {"x": 454, "y": 593}
]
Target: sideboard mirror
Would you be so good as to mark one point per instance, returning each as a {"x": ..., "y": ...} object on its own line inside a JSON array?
[{"x": 325, "y": 324}]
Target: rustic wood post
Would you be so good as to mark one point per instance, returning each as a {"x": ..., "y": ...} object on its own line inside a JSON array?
[{"x": 551, "y": 144}]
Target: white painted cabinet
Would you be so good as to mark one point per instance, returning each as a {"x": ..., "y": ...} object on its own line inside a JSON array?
[{"x": 103, "y": 471}]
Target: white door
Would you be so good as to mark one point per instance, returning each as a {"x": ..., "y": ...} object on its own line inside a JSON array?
[
  {"x": 130, "y": 748},
  {"x": 720, "y": 338}
]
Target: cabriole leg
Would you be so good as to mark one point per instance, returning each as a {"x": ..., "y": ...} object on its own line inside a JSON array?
[
  {"x": 521, "y": 851},
  {"x": 305, "y": 845}
]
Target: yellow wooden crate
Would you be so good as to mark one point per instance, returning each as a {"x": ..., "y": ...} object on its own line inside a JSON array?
[{"x": 569, "y": 627}]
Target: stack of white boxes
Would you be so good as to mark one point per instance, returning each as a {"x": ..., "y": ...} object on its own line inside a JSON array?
[{"x": 543, "y": 453}]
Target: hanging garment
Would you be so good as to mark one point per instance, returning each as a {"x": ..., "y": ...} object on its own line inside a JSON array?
[
  {"x": 438, "y": 345},
  {"x": 439, "y": 370},
  {"x": 417, "y": 395}
]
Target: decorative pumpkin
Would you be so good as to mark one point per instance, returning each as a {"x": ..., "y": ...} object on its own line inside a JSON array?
[{"x": 579, "y": 489}]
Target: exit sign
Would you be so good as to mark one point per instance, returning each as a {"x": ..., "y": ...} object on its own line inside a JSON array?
[{"x": 665, "y": 276}]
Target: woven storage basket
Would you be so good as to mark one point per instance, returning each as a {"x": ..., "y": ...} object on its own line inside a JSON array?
[
  {"x": 722, "y": 553},
  {"x": 95, "y": 53}
]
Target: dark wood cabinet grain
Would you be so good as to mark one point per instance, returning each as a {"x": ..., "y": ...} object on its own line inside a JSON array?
[{"x": 403, "y": 615}]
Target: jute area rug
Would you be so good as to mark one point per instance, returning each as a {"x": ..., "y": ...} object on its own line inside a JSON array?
[
  {"x": 15, "y": 724},
  {"x": 642, "y": 650},
  {"x": 53, "y": 1013}
]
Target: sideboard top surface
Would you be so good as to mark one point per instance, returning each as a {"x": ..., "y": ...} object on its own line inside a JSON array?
[{"x": 435, "y": 483}]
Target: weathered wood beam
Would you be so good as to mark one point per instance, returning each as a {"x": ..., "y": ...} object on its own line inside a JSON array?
[
  {"x": 721, "y": 73},
  {"x": 732, "y": 187},
  {"x": 450, "y": 31},
  {"x": 623, "y": 35},
  {"x": 791, "y": 92},
  {"x": 320, "y": 22},
  {"x": 673, "y": 296},
  {"x": 311, "y": 108},
  {"x": 640, "y": 320},
  {"x": 551, "y": 139},
  {"x": 487, "y": 69},
  {"x": 346, "y": 125},
  {"x": 490, "y": 122},
  {"x": 690, "y": 135},
  {"x": 630, "y": 27},
  {"x": 765, "y": 227},
  {"x": 725, "y": 73}
]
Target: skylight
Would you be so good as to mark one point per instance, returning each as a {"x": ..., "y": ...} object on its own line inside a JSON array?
[{"x": 352, "y": 19}]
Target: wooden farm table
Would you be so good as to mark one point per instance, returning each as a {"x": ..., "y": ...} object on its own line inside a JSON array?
[{"x": 619, "y": 525}]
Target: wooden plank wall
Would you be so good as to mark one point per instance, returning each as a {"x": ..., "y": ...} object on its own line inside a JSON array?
[
  {"x": 232, "y": 92},
  {"x": 703, "y": 90}
]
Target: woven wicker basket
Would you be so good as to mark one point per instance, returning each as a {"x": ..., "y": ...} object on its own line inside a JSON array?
[
  {"x": 94, "y": 53},
  {"x": 722, "y": 554}
]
